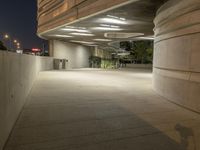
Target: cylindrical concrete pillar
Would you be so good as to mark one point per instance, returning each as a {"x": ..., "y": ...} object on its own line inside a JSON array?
[
  {"x": 177, "y": 52},
  {"x": 51, "y": 48}
]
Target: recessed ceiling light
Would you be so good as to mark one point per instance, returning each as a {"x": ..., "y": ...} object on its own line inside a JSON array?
[
  {"x": 66, "y": 36},
  {"x": 75, "y": 30},
  {"x": 112, "y": 16},
  {"x": 115, "y": 17},
  {"x": 82, "y": 34},
  {"x": 124, "y": 19},
  {"x": 107, "y": 28},
  {"x": 82, "y": 42},
  {"x": 112, "y": 21},
  {"x": 103, "y": 40},
  {"x": 146, "y": 38},
  {"x": 108, "y": 25}
]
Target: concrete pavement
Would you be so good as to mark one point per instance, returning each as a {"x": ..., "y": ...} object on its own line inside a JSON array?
[{"x": 102, "y": 110}]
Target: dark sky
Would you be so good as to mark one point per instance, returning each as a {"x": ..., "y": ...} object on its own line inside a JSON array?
[{"x": 18, "y": 19}]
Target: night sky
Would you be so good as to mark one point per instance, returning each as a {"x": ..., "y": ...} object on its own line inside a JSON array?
[{"x": 18, "y": 19}]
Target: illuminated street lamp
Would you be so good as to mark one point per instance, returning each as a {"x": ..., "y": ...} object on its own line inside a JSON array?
[
  {"x": 13, "y": 43},
  {"x": 7, "y": 37},
  {"x": 18, "y": 45}
]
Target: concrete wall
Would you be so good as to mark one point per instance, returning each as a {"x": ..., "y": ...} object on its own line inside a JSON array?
[
  {"x": 177, "y": 52},
  {"x": 17, "y": 75},
  {"x": 77, "y": 55}
]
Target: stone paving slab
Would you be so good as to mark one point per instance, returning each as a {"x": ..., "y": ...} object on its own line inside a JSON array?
[{"x": 102, "y": 110}]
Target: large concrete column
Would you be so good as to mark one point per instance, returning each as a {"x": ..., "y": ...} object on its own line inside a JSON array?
[
  {"x": 177, "y": 52},
  {"x": 51, "y": 48}
]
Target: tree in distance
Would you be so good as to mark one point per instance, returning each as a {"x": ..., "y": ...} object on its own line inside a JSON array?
[{"x": 2, "y": 47}]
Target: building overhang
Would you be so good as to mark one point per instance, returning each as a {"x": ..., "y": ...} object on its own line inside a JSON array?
[{"x": 124, "y": 20}]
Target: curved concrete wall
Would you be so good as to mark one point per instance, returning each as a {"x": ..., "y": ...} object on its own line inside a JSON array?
[{"x": 177, "y": 52}]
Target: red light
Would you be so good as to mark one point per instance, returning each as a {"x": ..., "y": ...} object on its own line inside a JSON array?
[{"x": 36, "y": 50}]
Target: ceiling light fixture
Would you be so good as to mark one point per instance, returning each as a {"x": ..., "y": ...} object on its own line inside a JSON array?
[
  {"x": 108, "y": 25},
  {"x": 146, "y": 38},
  {"x": 103, "y": 40},
  {"x": 115, "y": 17},
  {"x": 112, "y": 21},
  {"x": 76, "y": 30},
  {"x": 82, "y": 42},
  {"x": 107, "y": 28},
  {"x": 82, "y": 34},
  {"x": 66, "y": 36}
]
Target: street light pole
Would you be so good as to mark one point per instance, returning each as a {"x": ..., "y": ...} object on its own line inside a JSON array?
[
  {"x": 18, "y": 45},
  {"x": 13, "y": 43},
  {"x": 7, "y": 37}
]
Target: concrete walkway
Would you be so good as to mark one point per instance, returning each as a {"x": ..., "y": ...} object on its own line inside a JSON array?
[{"x": 102, "y": 110}]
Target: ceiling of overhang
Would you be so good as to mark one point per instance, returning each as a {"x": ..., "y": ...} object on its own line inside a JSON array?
[{"x": 124, "y": 23}]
